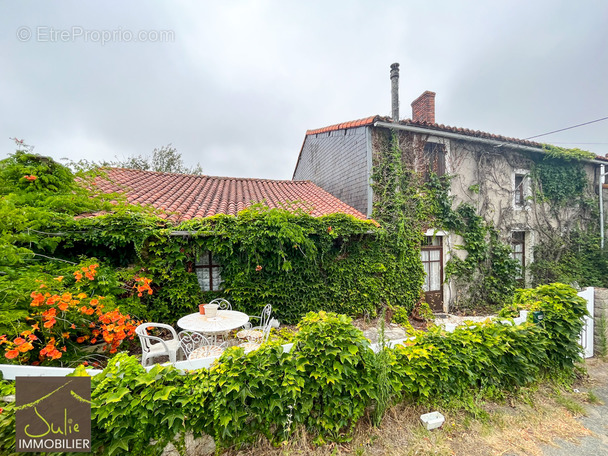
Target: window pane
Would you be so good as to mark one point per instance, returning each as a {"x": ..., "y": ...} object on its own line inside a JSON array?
[
  {"x": 435, "y": 276},
  {"x": 434, "y": 255},
  {"x": 424, "y": 255},
  {"x": 203, "y": 278},
  {"x": 425, "y": 286},
  {"x": 203, "y": 259},
  {"x": 217, "y": 279}
]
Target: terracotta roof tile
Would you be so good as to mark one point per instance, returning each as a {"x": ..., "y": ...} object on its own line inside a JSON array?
[
  {"x": 431, "y": 126},
  {"x": 345, "y": 125},
  {"x": 185, "y": 196}
]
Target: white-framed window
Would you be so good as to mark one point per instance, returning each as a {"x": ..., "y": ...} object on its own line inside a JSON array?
[{"x": 208, "y": 272}]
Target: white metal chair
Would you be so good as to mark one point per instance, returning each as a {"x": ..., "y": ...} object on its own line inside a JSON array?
[
  {"x": 257, "y": 333},
  {"x": 196, "y": 346},
  {"x": 222, "y": 304},
  {"x": 153, "y": 346},
  {"x": 253, "y": 343}
]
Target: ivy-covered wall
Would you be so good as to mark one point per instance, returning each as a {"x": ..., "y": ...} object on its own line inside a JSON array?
[
  {"x": 474, "y": 202},
  {"x": 293, "y": 261}
]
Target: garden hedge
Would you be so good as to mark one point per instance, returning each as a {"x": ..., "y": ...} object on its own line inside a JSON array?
[{"x": 328, "y": 380}]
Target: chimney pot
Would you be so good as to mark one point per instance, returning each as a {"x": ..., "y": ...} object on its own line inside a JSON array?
[
  {"x": 423, "y": 108},
  {"x": 395, "y": 91}
]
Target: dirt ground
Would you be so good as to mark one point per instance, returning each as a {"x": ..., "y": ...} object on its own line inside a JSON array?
[{"x": 547, "y": 421}]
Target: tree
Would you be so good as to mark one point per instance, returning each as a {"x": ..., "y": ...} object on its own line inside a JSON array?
[{"x": 165, "y": 159}]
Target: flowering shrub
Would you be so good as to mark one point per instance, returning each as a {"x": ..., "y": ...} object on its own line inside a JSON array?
[{"x": 64, "y": 318}]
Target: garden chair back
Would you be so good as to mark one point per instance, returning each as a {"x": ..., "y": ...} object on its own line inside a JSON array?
[
  {"x": 222, "y": 304},
  {"x": 153, "y": 346},
  {"x": 195, "y": 345}
]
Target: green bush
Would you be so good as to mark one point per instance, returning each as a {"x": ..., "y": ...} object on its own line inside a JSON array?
[{"x": 327, "y": 381}]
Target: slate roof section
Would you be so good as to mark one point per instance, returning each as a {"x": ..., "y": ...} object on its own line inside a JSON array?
[{"x": 185, "y": 196}]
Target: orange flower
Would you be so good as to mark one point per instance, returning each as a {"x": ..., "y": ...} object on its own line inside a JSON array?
[
  {"x": 58, "y": 279},
  {"x": 30, "y": 177},
  {"x": 19, "y": 341},
  {"x": 94, "y": 302},
  {"x": 78, "y": 276},
  {"x": 12, "y": 354},
  {"x": 80, "y": 339},
  {"x": 35, "y": 327},
  {"x": 25, "y": 347},
  {"x": 50, "y": 323},
  {"x": 3, "y": 339},
  {"x": 65, "y": 335},
  {"x": 63, "y": 306},
  {"x": 32, "y": 337},
  {"x": 73, "y": 326},
  {"x": 81, "y": 295},
  {"x": 89, "y": 275}
]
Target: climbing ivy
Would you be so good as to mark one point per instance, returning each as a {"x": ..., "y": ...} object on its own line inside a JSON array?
[{"x": 568, "y": 249}]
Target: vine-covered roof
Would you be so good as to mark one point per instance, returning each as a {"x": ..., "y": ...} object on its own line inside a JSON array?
[{"x": 186, "y": 196}]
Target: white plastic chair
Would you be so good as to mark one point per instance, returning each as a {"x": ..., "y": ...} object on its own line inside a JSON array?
[
  {"x": 258, "y": 333},
  {"x": 153, "y": 346},
  {"x": 196, "y": 346}
]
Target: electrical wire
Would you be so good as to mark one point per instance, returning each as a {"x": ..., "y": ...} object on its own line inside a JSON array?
[{"x": 568, "y": 128}]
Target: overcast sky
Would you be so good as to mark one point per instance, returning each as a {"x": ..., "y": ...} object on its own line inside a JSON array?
[{"x": 234, "y": 85}]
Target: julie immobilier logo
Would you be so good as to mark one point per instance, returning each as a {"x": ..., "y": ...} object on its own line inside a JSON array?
[{"x": 53, "y": 414}]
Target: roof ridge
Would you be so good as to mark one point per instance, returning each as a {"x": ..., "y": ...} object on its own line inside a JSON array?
[{"x": 257, "y": 179}]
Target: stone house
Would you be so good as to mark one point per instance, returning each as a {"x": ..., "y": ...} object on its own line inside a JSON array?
[{"x": 489, "y": 171}]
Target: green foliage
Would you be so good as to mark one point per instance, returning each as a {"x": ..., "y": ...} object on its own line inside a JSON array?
[
  {"x": 569, "y": 155},
  {"x": 296, "y": 262},
  {"x": 563, "y": 321},
  {"x": 487, "y": 275},
  {"x": 400, "y": 316},
  {"x": 327, "y": 380},
  {"x": 572, "y": 257},
  {"x": 331, "y": 374},
  {"x": 131, "y": 406},
  {"x": 560, "y": 182},
  {"x": 403, "y": 207}
]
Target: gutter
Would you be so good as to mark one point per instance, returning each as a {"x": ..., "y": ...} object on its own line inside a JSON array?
[{"x": 447, "y": 134}]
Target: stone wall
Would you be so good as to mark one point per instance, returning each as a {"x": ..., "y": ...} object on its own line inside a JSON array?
[{"x": 601, "y": 321}]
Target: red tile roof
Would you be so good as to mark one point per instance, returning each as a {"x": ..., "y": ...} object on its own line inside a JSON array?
[
  {"x": 345, "y": 125},
  {"x": 186, "y": 196},
  {"x": 430, "y": 126}
]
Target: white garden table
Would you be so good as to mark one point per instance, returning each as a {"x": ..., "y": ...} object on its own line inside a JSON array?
[{"x": 224, "y": 321}]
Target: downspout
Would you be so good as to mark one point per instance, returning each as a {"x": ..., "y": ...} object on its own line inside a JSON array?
[{"x": 601, "y": 191}]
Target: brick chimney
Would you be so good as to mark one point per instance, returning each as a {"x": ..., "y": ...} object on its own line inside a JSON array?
[
  {"x": 423, "y": 108},
  {"x": 395, "y": 91}
]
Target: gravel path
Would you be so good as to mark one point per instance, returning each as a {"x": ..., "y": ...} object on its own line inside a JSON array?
[{"x": 596, "y": 420}]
